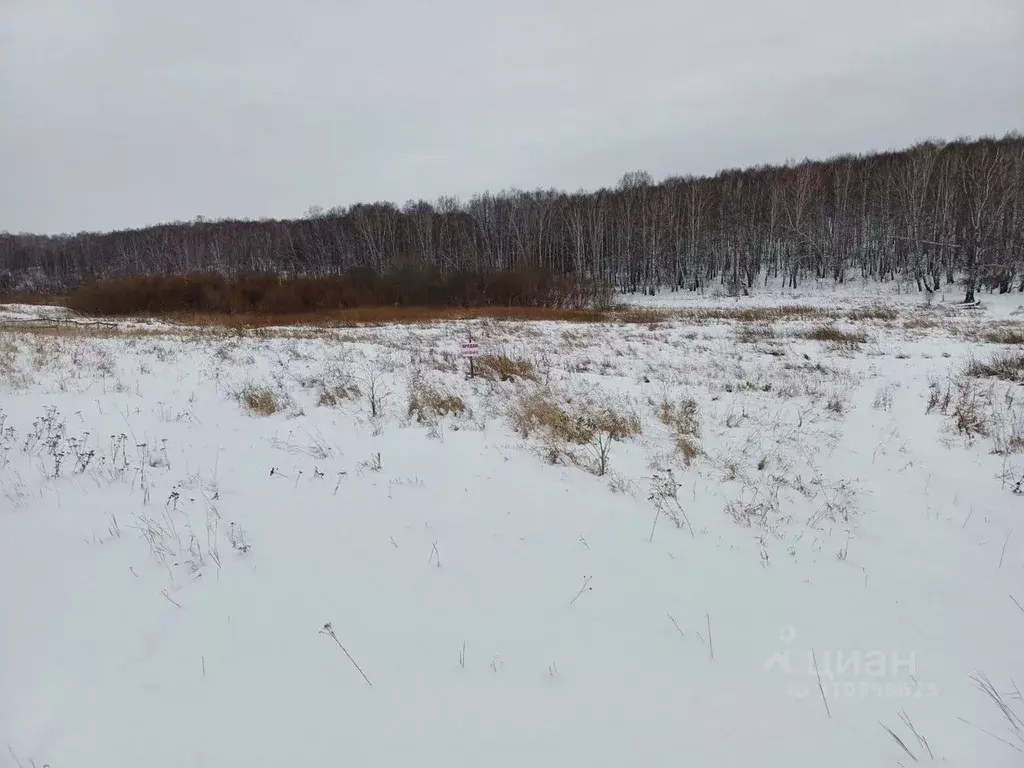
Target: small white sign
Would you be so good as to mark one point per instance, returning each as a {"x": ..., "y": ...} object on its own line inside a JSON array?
[{"x": 470, "y": 349}]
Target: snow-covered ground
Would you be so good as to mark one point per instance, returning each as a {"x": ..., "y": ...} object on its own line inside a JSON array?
[{"x": 789, "y": 558}]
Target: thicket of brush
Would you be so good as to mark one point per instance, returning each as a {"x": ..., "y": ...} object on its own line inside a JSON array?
[{"x": 278, "y": 295}]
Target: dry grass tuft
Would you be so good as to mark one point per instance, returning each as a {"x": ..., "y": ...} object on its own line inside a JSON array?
[
  {"x": 334, "y": 394},
  {"x": 1008, "y": 366},
  {"x": 977, "y": 410},
  {"x": 688, "y": 448},
  {"x": 10, "y": 372},
  {"x": 503, "y": 368},
  {"x": 261, "y": 400},
  {"x": 752, "y": 314},
  {"x": 836, "y": 335},
  {"x": 563, "y": 424},
  {"x": 754, "y": 333},
  {"x": 920, "y": 323},
  {"x": 939, "y": 398},
  {"x": 427, "y": 405},
  {"x": 1005, "y": 336},
  {"x": 876, "y": 312},
  {"x": 969, "y": 412},
  {"x": 683, "y": 419},
  {"x": 641, "y": 316}
]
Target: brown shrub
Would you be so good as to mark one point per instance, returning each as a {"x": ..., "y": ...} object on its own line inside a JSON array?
[{"x": 262, "y": 294}]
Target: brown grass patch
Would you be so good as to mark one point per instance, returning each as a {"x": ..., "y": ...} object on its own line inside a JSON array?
[
  {"x": 1008, "y": 367},
  {"x": 374, "y": 316},
  {"x": 64, "y": 329},
  {"x": 753, "y": 333},
  {"x": 753, "y": 314},
  {"x": 503, "y": 368},
  {"x": 260, "y": 400},
  {"x": 835, "y": 335},
  {"x": 539, "y": 411},
  {"x": 334, "y": 394},
  {"x": 398, "y": 315},
  {"x": 876, "y": 312},
  {"x": 42, "y": 299},
  {"x": 427, "y": 404},
  {"x": 581, "y": 432},
  {"x": 683, "y": 419},
  {"x": 920, "y": 323},
  {"x": 1005, "y": 336},
  {"x": 576, "y": 423}
]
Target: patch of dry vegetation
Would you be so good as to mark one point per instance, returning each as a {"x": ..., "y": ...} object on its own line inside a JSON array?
[
  {"x": 683, "y": 419},
  {"x": 10, "y": 372},
  {"x": 1008, "y": 335},
  {"x": 428, "y": 404},
  {"x": 504, "y": 368},
  {"x": 1008, "y": 366},
  {"x": 836, "y": 404},
  {"x": 837, "y": 336},
  {"x": 261, "y": 400},
  {"x": 566, "y": 425},
  {"x": 753, "y": 314},
  {"x": 876, "y": 312},
  {"x": 273, "y": 294},
  {"x": 920, "y": 322},
  {"x": 754, "y": 333},
  {"x": 332, "y": 394},
  {"x": 976, "y": 410}
]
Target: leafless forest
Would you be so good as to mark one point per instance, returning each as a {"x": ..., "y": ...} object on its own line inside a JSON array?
[{"x": 932, "y": 214}]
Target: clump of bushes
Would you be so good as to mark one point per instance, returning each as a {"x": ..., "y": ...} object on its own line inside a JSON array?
[{"x": 407, "y": 286}]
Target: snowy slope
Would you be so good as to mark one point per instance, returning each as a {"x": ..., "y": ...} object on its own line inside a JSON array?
[{"x": 165, "y": 598}]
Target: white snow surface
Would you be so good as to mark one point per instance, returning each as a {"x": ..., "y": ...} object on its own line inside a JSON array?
[{"x": 164, "y": 591}]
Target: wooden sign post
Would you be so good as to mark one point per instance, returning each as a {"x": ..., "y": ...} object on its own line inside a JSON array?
[{"x": 470, "y": 349}]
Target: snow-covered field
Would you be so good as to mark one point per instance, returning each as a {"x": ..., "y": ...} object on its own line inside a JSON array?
[{"x": 795, "y": 546}]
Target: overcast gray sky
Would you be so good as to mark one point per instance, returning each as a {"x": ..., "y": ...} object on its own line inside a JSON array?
[{"x": 119, "y": 113}]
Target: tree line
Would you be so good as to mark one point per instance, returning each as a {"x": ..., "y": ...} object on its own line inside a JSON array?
[{"x": 931, "y": 214}]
